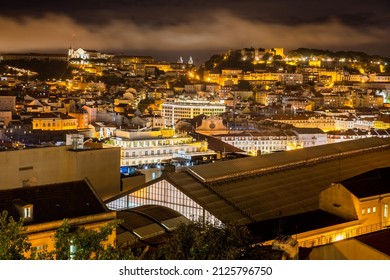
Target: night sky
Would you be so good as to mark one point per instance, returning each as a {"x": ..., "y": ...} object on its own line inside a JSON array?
[{"x": 172, "y": 28}]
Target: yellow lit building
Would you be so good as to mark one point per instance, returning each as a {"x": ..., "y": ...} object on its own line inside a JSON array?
[
  {"x": 53, "y": 122},
  {"x": 81, "y": 118},
  {"x": 382, "y": 123},
  {"x": 166, "y": 67},
  {"x": 44, "y": 209},
  {"x": 325, "y": 123},
  {"x": 363, "y": 201}
]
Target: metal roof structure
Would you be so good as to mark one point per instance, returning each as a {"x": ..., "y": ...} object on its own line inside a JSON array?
[
  {"x": 147, "y": 224},
  {"x": 281, "y": 184}
]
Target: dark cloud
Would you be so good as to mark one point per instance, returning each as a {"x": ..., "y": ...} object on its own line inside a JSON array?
[{"x": 199, "y": 25}]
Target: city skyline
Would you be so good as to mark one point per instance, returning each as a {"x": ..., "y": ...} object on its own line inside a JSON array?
[{"x": 168, "y": 29}]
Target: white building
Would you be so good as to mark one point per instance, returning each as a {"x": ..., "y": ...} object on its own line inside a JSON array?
[
  {"x": 310, "y": 137},
  {"x": 153, "y": 147},
  {"x": 174, "y": 110},
  {"x": 255, "y": 143}
]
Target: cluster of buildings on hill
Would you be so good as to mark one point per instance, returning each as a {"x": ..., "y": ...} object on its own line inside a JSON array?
[
  {"x": 279, "y": 111},
  {"x": 161, "y": 133}
]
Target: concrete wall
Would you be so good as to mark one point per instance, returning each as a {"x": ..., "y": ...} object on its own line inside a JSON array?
[
  {"x": 350, "y": 249},
  {"x": 41, "y": 166},
  {"x": 339, "y": 201},
  {"x": 129, "y": 183}
]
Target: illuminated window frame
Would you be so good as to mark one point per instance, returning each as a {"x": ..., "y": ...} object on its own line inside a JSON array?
[{"x": 27, "y": 212}]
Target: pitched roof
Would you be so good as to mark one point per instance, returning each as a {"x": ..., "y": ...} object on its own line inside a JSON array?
[
  {"x": 54, "y": 202},
  {"x": 270, "y": 186},
  {"x": 307, "y": 130},
  {"x": 259, "y": 188},
  {"x": 373, "y": 182}
]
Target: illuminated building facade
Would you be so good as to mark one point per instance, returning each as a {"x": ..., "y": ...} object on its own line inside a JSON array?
[
  {"x": 53, "y": 121},
  {"x": 255, "y": 143},
  {"x": 45, "y": 207},
  {"x": 174, "y": 110},
  {"x": 154, "y": 147},
  {"x": 164, "y": 193},
  {"x": 325, "y": 123}
]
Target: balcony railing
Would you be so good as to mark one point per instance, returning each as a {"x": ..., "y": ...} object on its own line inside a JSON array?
[{"x": 326, "y": 239}]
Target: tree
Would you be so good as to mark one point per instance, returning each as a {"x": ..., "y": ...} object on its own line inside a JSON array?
[
  {"x": 13, "y": 240},
  {"x": 195, "y": 241},
  {"x": 143, "y": 105},
  {"x": 85, "y": 244},
  {"x": 69, "y": 242},
  {"x": 244, "y": 85}
]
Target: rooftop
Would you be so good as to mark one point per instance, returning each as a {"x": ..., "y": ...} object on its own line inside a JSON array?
[
  {"x": 373, "y": 182},
  {"x": 54, "y": 202},
  {"x": 260, "y": 188}
]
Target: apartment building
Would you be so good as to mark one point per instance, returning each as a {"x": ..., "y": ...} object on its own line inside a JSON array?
[{"x": 176, "y": 109}]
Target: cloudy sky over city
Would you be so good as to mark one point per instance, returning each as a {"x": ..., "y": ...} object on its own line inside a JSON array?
[{"x": 198, "y": 27}]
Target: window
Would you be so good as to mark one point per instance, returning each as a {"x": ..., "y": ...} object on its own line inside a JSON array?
[
  {"x": 363, "y": 211},
  {"x": 27, "y": 213},
  {"x": 373, "y": 209},
  {"x": 386, "y": 210},
  {"x": 368, "y": 210}
]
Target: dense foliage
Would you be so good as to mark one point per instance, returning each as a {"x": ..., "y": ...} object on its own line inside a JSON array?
[
  {"x": 13, "y": 240},
  {"x": 195, "y": 241},
  {"x": 46, "y": 69},
  {"x": 87, "y": 244},
  {"x": 232, "y": 61}
]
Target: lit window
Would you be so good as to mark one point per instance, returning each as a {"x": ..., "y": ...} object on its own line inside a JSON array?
[
  {"x": 373, "y": 209},
  {"x": 368, "y": 210},
  {"x": 386, "y": 210},
  {"x": 27, "y": 212},
  {"x": 363, "y": 211}
]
